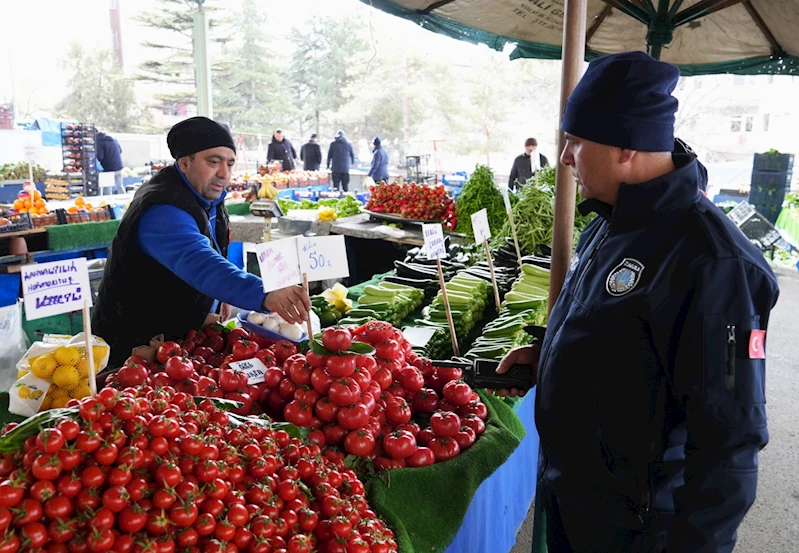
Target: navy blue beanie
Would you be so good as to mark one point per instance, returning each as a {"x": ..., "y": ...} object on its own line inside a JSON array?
[{"x": 625, "y": 100}]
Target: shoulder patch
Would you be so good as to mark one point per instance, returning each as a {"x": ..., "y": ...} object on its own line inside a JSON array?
[{"x": 624, "y": 277}]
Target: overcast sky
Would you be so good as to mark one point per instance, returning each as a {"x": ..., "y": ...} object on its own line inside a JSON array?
[{"x": 37, "y": 33}]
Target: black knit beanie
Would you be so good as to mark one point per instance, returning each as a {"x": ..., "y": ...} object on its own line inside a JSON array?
[{"x": 197, "y": 134}]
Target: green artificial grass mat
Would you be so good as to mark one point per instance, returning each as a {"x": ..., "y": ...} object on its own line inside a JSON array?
[
  {"x": 238, "y": 209},
  {"x": 425, "y": 506},
  {"x": 78, "y": 235}
]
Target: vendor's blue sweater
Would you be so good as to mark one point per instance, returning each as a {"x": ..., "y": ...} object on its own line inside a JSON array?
[{"x": 170, "y": 236}]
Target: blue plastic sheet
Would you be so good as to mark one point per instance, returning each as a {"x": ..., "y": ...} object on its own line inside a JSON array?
[
  {"x": 9, "y": 289},
  {"x": 501, "y": 503}
]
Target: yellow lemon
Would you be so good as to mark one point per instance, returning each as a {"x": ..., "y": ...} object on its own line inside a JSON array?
[
  {"x": 44, "y": 366},
  {"x": 83, "y": 367},
  {"x": 80, "y": 391},
  {"x": 47, "y": 403},
  {"x": 24, "y": 392},
  {"x": 99, "y": 354},
  {"x": 66, "y": 376},
  {"x": 58, "y": 397},
  {"x": 67, "y": 356}
]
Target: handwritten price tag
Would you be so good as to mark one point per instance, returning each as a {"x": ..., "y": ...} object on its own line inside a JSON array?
[
  {"x": 280, "y": 266},
  {"x": 323, "y": 257},
  {"x": 253, "y": 368},
  {"x": 482, "y": 231},
  {"x": 434, "y": 240},
  {"x": 55, "y": 288}
]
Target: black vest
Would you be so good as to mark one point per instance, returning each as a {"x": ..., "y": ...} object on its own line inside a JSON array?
[{"x": 140, "y": 298}]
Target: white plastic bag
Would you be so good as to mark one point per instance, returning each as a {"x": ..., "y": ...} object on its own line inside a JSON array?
[
  {"x": 13, "y": 343},
  {"x": 367, "y": 182}
]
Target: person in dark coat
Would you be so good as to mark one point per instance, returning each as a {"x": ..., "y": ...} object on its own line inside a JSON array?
[
  {"x": 311, "y": 154},
  {"x": 281, "y": 149},
  {"x": 109, "y": 154},
  {"x": 340, "y": 158},
  {"x": 379, "y": 170},
  {"x": 167, "y": 271},
  {"x": 650, "y": 396},
  {"x": 527, "y": 164}
]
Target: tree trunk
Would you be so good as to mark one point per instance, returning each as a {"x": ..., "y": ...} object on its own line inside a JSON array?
[
  {"x": 488, "y": 145},
  {"x": 317, "y": 121},
  {"x": 406, "y": 106}
]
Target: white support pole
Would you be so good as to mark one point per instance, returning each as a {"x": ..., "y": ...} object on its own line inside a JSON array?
[{"x": 202, "y": 63}]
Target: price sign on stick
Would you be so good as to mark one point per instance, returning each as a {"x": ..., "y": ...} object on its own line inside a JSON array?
[
  {"x": 253, "y": 368},
  {"x": 60, "y": 287},
  {"x": 482, "y": 232},
  {"x": 279, "y": 263},
  {"x": 509, "y": 210},
  {"x": 434, "y": 245},
  {"x": 323, "y": 257},
  {"x": 55, "y": 288}
]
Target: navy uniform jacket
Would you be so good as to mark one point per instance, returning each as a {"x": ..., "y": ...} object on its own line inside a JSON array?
[{"x": 650, "y": 410}]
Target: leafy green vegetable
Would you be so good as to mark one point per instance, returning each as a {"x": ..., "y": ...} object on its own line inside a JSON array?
[
  {"x": 14, "y": 440},
  {"x": 534, "y": 213},
  {"x": 480, "y": 192},
  {"x": 792, "y": 200}
]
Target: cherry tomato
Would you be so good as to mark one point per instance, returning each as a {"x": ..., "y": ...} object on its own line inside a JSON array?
[{"x": 50, "y": 440}]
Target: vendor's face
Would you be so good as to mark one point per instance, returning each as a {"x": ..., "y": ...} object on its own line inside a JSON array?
[
  {"x": 594, "y": 166},
  {"x": 209, "y": 171}
]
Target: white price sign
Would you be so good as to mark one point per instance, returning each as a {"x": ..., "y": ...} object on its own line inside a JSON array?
[
  {"x": 434, "y": 240},
  {"x": 506, "y": 197},
  {"x": 280, "y": 266},
  {"x": 55, "y": 288},
  {"x": 253, "y": 368},
  {"x": 482, "y": 231},
  {"x": 323, "y": 257}
]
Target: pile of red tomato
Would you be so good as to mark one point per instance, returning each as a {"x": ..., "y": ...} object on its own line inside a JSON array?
[
  {"x": 392, "y": 407},
  {"x": 148, "y": 471},
  {"x": 382, "y": 402}
]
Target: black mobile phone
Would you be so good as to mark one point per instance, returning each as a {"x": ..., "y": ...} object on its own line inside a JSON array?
[{"x": 485, "y": 376}]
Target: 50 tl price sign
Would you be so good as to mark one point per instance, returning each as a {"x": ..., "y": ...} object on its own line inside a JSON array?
[{"x": 323, "y": 257}]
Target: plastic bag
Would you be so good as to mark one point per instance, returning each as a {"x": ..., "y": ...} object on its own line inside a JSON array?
[
  {"x": 367, "y": 182},
  {"x": 13, "y": 343},
  {"x": 51, "y": 373}
]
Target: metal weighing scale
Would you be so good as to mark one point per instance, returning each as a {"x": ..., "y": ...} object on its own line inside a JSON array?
[{"x": 266, "y": 209}]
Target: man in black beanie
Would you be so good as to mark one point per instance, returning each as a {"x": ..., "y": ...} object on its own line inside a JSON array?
[
  {"x": 167, "y": 271},
  {"x": 650, "y": 400}
]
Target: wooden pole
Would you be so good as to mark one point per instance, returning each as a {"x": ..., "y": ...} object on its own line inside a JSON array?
[
  {"x": 309, "y": 326},
  {"x": 574, "y": 28},
  {"x": 493, "y": 276},
  {"x": 574, "y": 25},
  {"x": 87, "y": 332},
  {"x": 455, "y": 350}
]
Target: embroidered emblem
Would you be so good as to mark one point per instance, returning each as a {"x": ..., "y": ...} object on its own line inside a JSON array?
[{"x": 624, "y": 277}]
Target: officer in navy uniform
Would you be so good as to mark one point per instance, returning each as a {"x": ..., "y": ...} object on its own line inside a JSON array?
[{"x": 650, "y": 399}]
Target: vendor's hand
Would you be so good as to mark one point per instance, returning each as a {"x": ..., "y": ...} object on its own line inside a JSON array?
[
  {"x": 292, "y": 303},
  {"x": 225, "y": 311},
  {"x": 524, "y": 355},
  {"x": 212, "y": 318}
]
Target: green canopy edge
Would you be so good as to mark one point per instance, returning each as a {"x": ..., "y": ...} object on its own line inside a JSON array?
[{"x": 771, "y": 65}]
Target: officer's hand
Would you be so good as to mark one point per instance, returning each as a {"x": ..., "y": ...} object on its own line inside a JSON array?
[
  {"x": 292, "y": 303},
  {"x": 524, "y": 355}
]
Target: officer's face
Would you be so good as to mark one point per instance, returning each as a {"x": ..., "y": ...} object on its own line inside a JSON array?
[
  {"x": 594, "y": 167},
  {"x": 209, "y": 171}
]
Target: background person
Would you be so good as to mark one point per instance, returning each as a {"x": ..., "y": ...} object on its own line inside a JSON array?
[
  {"x": 281, "y": 149},
  {"x": 379, "y": 169},
  {"x": 340, "y": 158},
  {"x": 311, "y": 154},
  {"x": 526, "y": 165},
  {"x": 109, "y": 154}
]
